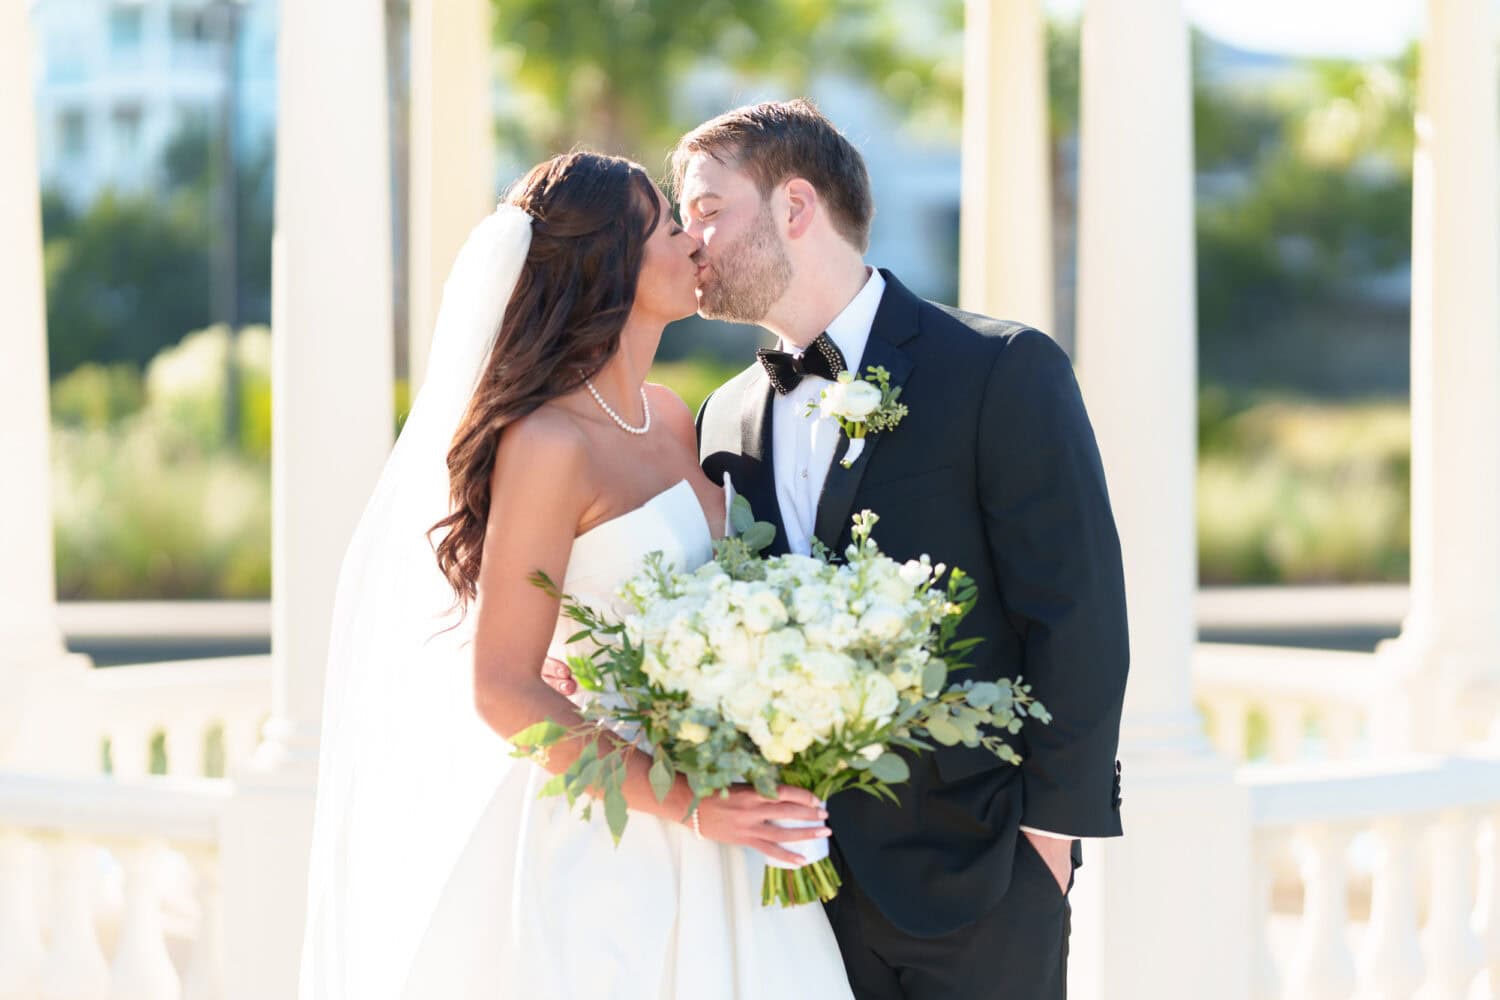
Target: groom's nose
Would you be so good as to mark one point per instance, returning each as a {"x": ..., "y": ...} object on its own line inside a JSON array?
[{"x": 694, "y": 228}]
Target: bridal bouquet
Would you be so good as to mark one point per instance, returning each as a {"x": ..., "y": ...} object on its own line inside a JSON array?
[{"x": 794, "y": 670}]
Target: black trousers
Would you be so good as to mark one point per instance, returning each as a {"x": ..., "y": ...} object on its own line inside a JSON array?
[{"x": 1018, "y": 951}]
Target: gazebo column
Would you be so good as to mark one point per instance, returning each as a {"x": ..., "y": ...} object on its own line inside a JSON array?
[
  {"x": 1166, "y": 909},
  {"x": 30, "y": 641},
  {"x": 1445, "y": 666},
  {"x": 452, "y": 152},
  {"x": 1005, "y": 227},
  {"x": 332, "y": 422}
]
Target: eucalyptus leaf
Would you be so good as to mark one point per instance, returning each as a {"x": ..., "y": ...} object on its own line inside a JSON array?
[
  {"x": 890, "y": 767},
  {"x": 741, "y": 517},
  {"x": 983, "y": 694},
  {"x": 615, "y": 811},
  {"x": 758, "y": 536},
  {"x": 661, "y": 776},
  {"x": 933, "y": 676},
  {"x": 588, "y": 777},
  {"x": 944, "y": 731},
  {"x": 541, "y": 734}
]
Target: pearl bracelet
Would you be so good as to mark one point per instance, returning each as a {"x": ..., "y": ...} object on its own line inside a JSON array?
[{"x": 697, "y": 830}]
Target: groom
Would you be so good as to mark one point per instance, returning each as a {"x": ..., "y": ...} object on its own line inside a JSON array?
[{"x": 961, "y": 890}]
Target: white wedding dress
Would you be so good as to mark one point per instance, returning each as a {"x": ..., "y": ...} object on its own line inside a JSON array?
[{"x": 544, "y": 904}]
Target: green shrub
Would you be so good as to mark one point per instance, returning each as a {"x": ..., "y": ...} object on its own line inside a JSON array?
[
  {"x": 95, "y": 396},
  {"x": 1297, "y": 492}
]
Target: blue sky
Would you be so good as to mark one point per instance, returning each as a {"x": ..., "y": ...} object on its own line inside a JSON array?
[{"x": 1351, "y": 28}]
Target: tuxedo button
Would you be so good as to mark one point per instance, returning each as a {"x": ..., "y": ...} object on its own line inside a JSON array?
[{"x": 804, "y": 473}]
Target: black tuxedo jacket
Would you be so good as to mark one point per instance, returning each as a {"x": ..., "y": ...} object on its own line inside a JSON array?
[{"x": 994, "y": 470}]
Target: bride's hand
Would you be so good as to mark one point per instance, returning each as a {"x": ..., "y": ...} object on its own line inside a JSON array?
[
  {"x": 744, "y": 818},
  {"x": 559, "y": 677}
]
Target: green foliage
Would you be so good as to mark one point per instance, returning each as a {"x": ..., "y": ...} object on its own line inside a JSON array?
[
  {"x": 610, "y": 73},
  {"x": 130, "y": 273},
  {"x": 1305, "y": 493},
  {"x": 94, "y": 396},
  {"x": 185, "y": 387},
  {"x": 150, "y": 499},
  {"x": 138, "y": 519},
  {"x": 1323, "y": 197},
  {"x": 694, "y": 378},
  {"x": 126, "y": 277}
]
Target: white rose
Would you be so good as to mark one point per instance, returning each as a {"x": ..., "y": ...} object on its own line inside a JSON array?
[
  {"x": 811, "y": 603},
  {"x": 693, "y": 732},
  {"x": 708, "y": 684},
  {"x": 776, "y": 751},
  {"x": 915, "y": 573},
  {"x": 684, "y": 648},
  {"x": 733, "y": 645},
  {"x": 880, "y": 695},
  {"x": 882, "y": 622},
  {"x": 745, "y": 704},
  {"x": 764, "y": 612},
  {"x": 783, "y": 644},
  {"x": 819, "y": 709},
  {"x": 842, "y": 631},
  {"x": 872, "y": 752},
  {"x": 828, "y": 668},
  {"x": 797, "y": 737},
  {"x": 860, "y": 399},
  {"x": 831, "y": 402}
]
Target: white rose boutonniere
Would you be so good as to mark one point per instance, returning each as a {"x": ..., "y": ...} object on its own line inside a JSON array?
[{"x": 861, "y": 406}]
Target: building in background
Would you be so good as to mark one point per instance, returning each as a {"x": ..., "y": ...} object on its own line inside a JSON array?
[{"x": 115, "y": 80}]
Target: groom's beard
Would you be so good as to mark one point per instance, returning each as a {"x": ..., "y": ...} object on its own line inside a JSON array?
[{"x": 748, "y": 277}]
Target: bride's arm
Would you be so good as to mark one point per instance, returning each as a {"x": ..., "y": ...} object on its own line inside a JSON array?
[{"x": 541, "y": 488}]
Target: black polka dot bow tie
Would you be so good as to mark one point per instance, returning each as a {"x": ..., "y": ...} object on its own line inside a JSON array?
[{"x": 822, "y": 358}]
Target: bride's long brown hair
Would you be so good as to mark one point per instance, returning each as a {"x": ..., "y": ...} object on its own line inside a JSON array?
[{"x": 593, "y": 216}]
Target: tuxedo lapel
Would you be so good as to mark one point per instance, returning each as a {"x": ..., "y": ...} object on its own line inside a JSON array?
[
  {"x": 895, "y": 323},
  {"x": 755, "y": 447}
]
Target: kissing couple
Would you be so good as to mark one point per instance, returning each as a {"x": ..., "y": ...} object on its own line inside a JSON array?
[{"x": 536, "y": 444}]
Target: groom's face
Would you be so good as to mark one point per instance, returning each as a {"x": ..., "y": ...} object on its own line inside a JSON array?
[{"x": 743, "y": 267}]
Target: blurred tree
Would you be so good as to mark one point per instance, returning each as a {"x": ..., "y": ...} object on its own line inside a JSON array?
[
  {"x": 129, "y": 274},
  {"x": 610, "y": 73}
]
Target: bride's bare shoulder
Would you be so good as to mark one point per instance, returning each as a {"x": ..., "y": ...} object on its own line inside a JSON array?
[
  {"x": 546, "y": 448},
  {"x": 673, "y": 412}
]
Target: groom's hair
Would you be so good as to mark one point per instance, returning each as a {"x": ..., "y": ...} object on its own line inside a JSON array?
[{"x": 778, "y": 140}]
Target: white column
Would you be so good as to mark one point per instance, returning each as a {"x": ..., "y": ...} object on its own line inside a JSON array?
[
  {"x": 332, "y": 421},
  {"x": 1448, "y": 655},
  {"x": 1005, "y": 228},
  {"x": 1137, "y": 935},
  {"x": 29, "y": 636},
  {"x": 1137, "y": 335},
  {"x": 452, "y": 152},
  {"x": 333, "y": 410}
]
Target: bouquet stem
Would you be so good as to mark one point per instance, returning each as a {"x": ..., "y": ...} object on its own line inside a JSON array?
[{"x": 813, "y": 882}]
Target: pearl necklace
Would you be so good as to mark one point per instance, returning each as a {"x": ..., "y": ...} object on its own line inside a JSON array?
[{"x": 627, "y": 428}]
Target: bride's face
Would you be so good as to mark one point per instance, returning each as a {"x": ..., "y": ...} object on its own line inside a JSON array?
[{"x": 667, "y": 287}]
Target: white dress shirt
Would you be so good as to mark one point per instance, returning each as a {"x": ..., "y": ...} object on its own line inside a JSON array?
[{"x": 803, "y": 446}]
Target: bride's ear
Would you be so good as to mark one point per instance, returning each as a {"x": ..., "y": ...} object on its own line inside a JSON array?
[{"x": 801, "y": 208}]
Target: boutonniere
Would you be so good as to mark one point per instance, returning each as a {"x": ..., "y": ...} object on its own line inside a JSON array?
[{"x": 861, "y": 406}]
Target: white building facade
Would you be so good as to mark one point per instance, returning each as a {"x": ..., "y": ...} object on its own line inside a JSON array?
[{"x": 115, "y": 80}]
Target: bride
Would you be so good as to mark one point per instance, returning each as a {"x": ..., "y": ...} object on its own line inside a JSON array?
[{"x": 534, "y": 444}]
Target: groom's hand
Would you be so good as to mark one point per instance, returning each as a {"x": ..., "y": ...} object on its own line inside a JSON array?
[
  {"x": 1058, "y": 853},
  {"x": 559, "y": 677}
]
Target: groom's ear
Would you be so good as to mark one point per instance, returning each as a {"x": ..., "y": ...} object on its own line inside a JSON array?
[{"x": 802, "y": 207}]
